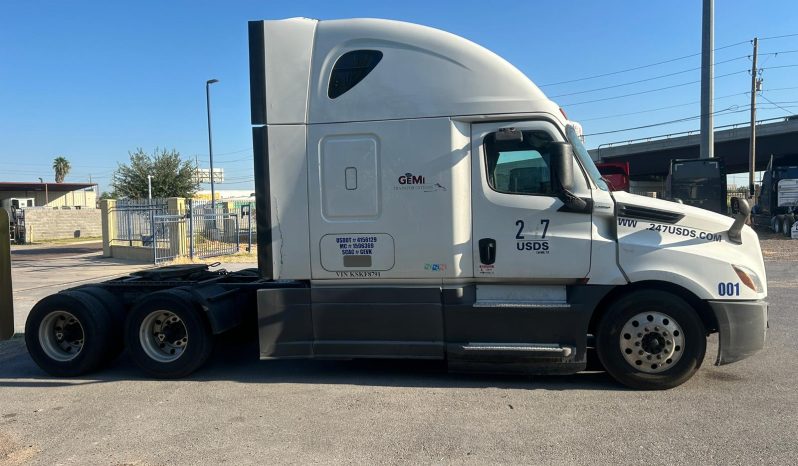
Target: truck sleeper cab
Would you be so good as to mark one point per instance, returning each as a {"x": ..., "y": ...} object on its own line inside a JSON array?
[{"x": 424, "y": 199}]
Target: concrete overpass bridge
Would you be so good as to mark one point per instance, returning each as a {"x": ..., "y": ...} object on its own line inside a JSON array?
[{"x": 650, "y": 158}]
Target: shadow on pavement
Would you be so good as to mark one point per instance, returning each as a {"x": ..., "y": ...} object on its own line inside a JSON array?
[{"x": 238, "y": 361}]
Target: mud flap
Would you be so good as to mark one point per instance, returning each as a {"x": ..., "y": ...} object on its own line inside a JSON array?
[{"x": 742, "y": 326}]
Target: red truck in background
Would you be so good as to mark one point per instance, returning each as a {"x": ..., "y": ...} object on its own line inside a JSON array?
[{"x": 616, "y": 174}]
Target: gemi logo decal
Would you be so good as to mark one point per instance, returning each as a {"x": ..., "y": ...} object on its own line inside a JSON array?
[
  {"x": 409, "y": 178},
  {"x": 411, "y": 182}
]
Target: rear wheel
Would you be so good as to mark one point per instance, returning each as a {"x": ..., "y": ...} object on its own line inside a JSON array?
[
  {"x": 167, "y": 336},
  {"x": 787, "y": 224},
  {"x": 775, "y": 223},
  {"x": 68, "y": 334},
  {"x": 115, "y": 308},
  {"x": 651, "y": 339}
]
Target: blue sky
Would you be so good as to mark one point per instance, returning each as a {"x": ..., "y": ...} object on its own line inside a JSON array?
[{"x": 94, "y": 80}]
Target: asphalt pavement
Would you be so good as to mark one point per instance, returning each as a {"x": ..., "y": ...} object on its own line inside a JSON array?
[{"x": 239, "y": 410}]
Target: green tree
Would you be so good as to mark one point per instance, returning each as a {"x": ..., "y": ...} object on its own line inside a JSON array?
[
  {"x": 107, "y": 195},
  {"x": 61, "y": 167},
  {"x": 171, "y": 175}
]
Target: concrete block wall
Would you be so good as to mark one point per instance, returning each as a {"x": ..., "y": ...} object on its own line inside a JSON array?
[{"x": 49, "y": 224}]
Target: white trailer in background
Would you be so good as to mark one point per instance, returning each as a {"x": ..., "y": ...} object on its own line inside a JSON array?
[{"x": 420, "y": 197}]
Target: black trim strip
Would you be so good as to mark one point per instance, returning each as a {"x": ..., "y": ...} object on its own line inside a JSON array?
[
  {"x": 648, "y": 213},
  {"x": 263, "y": 200},
  {"x": 257, "y": 71}
]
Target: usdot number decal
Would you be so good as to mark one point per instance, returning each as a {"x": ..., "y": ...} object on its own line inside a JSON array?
[{"x": 729, "y": 289}]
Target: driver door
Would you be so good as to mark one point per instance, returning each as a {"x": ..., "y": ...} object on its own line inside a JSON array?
[{"x": 521, "y": 229}]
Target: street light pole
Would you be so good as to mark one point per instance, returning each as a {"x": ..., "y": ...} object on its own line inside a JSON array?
[
  {"x": 210, "y": 140},
  {"x": 149, "y": 187}
]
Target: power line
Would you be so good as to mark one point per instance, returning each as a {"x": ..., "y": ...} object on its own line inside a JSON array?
[
  {"x": 647, "y": 91},
  {"x": 777, "y": 105},
  {"x": 670, "y": 87},
  {"x": 643, "y": 80},
  {"x": 585, "y": 78},
  {"x": 660, "y": 108},
  {"x": 730, "y": 110},
  {"x": 778, "y": 37}
]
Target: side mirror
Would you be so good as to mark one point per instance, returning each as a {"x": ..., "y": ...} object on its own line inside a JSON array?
[
  {"x": 740, "y": 219},
  {"x": 562, "y": 163}
]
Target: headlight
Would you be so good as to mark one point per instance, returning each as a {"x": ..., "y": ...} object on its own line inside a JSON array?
[{"x": 748, "y": 277}]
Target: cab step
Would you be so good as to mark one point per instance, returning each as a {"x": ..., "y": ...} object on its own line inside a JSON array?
[{"x": 544, "y": 350}]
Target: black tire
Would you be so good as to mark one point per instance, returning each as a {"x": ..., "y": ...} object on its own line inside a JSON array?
[
  {"x": 776, "y": 222},
  {"x": 686, "y": 357},
  {"x": 198, "y": 338},
  {"x": 42, "y": 328},
  {"x": 116, "y": 310},
  {"x": 787, "y": 224}
]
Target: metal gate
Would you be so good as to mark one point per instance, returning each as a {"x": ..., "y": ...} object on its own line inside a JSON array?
[
  {"x": 212, "y": 233},
  {"x": 194, "y": 234},
  {"x": 168, "y": 237}
]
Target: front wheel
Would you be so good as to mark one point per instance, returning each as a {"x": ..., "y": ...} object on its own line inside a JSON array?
[{"x": 651, "y": 340}]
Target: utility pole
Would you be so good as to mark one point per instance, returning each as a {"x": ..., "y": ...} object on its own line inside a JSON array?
[
  {"x": 210, "y": 141},
  {"x": 707, "y": 79},
  {"x": 149, "y": 187},
  {"x": 752, "y": 146}
]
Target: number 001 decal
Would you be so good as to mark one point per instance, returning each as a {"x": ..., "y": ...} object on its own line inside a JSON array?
[{"x": 729, "y": 289}]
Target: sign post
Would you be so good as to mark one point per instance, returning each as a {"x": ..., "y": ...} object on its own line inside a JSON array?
[{"x": 6, "y": 298}]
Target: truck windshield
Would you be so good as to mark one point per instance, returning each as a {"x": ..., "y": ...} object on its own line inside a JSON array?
[{"x": 584, "y": 157}]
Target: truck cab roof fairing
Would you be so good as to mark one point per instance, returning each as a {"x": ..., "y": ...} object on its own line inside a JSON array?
[{"x": 425, "y": 72}]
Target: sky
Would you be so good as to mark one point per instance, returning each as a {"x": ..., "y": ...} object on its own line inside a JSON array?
[{"x": 93, "y": 81}]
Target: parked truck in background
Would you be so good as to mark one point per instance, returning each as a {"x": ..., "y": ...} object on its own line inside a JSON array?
[
  {"x": 616, "y": 174},
  {"x": 777, "y": 204},
  {"x": 699, "y": 183},
  {"x": 419, "y": 197}
]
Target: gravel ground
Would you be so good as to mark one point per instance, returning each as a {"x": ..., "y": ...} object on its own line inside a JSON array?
[{"x": 778, "y": 247}]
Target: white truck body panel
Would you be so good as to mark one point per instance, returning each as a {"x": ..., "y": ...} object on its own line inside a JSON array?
[{"x": 375, "y": 191}]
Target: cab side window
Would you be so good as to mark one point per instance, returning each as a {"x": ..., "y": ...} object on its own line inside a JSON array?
[{"x": 520, "y": 166}]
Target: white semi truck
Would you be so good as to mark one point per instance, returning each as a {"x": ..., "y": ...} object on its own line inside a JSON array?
[{"x": 420, "y": 197}]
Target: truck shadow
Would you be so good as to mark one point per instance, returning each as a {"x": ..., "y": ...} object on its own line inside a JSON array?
[{"x": 237, "y": 361}]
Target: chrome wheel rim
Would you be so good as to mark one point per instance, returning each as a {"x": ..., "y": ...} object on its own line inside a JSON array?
[
  {"x": 652, "y": 342},
  {"x": 163, "y": 336},
  {"x": 61, "y": 336}
]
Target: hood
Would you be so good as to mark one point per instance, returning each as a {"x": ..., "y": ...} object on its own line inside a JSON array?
[
  {"x": 694, "y": 217},
  {"x": 687, "y": 246}
]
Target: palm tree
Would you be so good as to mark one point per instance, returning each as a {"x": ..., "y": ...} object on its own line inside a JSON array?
[{"x": 61, "y": 167}]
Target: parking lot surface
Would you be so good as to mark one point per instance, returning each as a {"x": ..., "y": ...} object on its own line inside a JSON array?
[{"x": 241, "y": 410}]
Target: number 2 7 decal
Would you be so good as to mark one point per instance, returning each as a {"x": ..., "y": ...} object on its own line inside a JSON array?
[{"x": 520, "y": 224}]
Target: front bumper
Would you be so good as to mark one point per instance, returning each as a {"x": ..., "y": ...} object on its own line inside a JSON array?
[{"x": 742, "y": 326}]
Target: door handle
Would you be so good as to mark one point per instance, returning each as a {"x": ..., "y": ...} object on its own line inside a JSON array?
[{"x": 487, "y": 251}]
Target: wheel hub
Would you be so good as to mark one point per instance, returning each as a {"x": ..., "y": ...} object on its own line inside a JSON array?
[
  {"x": 61, "y": 336},
  {"x": 163, "y": 336},
  {"x": 651, "y": 342}
]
